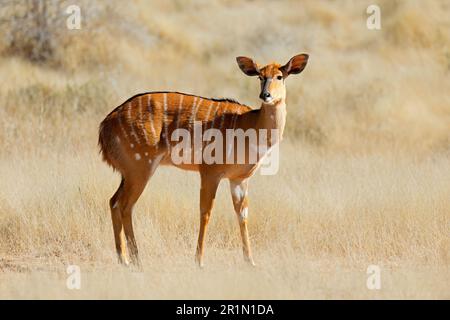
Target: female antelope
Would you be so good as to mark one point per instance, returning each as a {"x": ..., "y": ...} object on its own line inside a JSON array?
[{"x": 138, "y": 135}]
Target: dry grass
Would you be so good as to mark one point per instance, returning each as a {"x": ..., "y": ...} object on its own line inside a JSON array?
[{"x": 365, "y": 169}]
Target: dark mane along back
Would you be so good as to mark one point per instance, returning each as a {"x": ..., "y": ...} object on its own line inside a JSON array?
[{"x": 230, "y": 100}]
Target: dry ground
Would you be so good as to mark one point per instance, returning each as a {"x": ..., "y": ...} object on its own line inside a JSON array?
[
  {"x": 365, "y": 168},
  {"x": 315, "y": 228}
]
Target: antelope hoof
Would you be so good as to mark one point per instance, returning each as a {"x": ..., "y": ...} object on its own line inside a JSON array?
[
  {"x": 136, "y": 265},
  {"x": 123, "y": 261},
  {"x": 250, "y": 262},
  {"x": 199, "y": 262}
]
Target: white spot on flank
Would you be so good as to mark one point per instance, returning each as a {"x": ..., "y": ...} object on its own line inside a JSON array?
[
  {"x": 150, "y": 161},
  {"x": 146, "y": 154},
  {"x": 137, "y": 156},
  {"x": 131, "y": 145},
  {"x": 117, "y": 139}
]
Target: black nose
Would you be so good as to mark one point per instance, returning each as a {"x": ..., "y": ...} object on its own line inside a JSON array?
[{"x": 264, "y": 95}]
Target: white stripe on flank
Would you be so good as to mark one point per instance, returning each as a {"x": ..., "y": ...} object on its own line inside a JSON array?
[
  {"x": 133, "y": 132},
  {"x": 141, "y": 115},
  {"x": 222, "y": 121},
  {"x": 207, "y": 118},
  {"x": 233, "y": 125},
  {"x": 150, "y": 117},
  {"x": 194, "y": 112},
  {"x": 180, "y": 106},
  {"x": 192, "y": 109},
  {"x": 166, "y": 135},
  {"x": 209, "y": 110},
  {"x": 215, "y": 115},
  {"x": 124, "y": 132},
  {"x": 194, "y": 103}
]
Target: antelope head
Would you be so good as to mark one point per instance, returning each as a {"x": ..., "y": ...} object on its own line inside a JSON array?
[{"x": 272, "y": 76}]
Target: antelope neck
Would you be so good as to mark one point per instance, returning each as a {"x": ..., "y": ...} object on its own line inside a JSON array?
[{"x": 272, "y": 116}]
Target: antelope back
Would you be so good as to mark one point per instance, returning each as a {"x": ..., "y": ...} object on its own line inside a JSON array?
[{"x": 144, "y": 123}]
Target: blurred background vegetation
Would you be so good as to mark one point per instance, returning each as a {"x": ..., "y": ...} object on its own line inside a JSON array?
[{"x": 362, "y": 90}]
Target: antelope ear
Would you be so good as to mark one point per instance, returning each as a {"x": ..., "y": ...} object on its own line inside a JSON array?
[
  {"x": 295, "y": 65},
  {"x": 248, "y": 66}
]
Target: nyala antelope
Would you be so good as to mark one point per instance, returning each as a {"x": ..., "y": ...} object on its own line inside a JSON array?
[{"x": 135, "y": 139}]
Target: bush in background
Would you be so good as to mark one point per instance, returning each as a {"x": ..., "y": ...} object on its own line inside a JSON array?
[{"x": 32, "y": 29}]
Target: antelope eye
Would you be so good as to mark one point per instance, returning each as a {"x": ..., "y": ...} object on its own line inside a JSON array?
[{"x": 280, "y": 77}]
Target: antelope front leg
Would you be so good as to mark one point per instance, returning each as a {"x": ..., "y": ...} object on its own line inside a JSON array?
[
  {"x": 239, "y": 190},
  {"x": 207, "y": 194}
]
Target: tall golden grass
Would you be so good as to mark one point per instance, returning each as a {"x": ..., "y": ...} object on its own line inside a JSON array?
[{"x": 365, "y": 168}]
